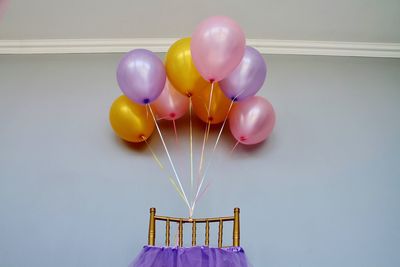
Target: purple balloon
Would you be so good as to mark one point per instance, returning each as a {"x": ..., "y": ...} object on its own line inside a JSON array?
[
  {"x": 141, "y": 76},
  {"x": 247, "y": 78}
]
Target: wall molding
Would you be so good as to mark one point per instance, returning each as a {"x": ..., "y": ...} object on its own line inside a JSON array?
[{"x": 265, "y": 46}]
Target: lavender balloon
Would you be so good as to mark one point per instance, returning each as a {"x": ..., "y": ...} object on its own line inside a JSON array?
[
  {"x": 141, "y": 76},
  {"x": 247, "y": 78}
]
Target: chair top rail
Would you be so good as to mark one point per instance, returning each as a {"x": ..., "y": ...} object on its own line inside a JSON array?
[{"x": 197, "y": 220}]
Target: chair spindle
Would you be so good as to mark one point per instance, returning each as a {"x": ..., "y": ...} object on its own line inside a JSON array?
[
  {"x": 152, "y": 227},
  {"x": 181, "y": 233},
  {"x": 167, "y": 233},
  {"x": 220, "y": 232},
  {"x": 236, "y": 228},
  {"x": 194, "y": 233},
  {"x": 207, "y": 239}
]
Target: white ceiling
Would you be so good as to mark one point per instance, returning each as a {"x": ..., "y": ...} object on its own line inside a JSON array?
[{"x": 322, "y": 20}]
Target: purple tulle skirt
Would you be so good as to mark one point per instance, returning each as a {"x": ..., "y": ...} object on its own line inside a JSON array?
[{"x": 201, "y": 256}]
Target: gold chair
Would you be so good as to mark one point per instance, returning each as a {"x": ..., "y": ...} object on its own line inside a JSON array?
[{"x": 194, "y": 222}]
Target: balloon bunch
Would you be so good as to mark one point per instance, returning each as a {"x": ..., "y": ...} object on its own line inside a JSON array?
[{"x": 213, "y": 73}]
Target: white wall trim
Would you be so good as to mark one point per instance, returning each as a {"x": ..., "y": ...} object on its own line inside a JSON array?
[{"x": 293, "y": 47}]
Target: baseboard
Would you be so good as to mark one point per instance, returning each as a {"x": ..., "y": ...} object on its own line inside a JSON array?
[{"x": 282, "y": 47}]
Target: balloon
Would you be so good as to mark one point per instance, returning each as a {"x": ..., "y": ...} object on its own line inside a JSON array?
[
  {"x": 170, "y": 105},
  {"x": 219, "y": 104},
  {"x": 217, "y": 47},
  {"x": 247, "y": 78},
  {"x": 141, "y": 76},
  {"x": 180, "y": 69},
  {"x": 252, "y": 120},
  {"x": 130, "y": 121}
]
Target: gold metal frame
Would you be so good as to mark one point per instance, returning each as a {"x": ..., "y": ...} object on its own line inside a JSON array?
[{"x": 181, "y": 221}]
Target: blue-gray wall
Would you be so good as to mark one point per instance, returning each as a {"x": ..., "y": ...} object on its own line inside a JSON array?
[{"x": 323, "y": 191}]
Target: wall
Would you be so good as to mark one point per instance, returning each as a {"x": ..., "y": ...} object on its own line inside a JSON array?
[
  {"x": 340, "y": 20},
  {"x": 324, "y": 190}
]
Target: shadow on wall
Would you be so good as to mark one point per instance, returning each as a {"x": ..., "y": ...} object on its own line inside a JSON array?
[{"x": 227, "y": 143}]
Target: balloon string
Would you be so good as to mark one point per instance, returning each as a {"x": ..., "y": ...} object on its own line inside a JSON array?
[
  {"x": 223, "y": 125},
  {"x": 162, "y": 168},
  {"x": 234, "y": 147},
  {"x": 209, "y": 109},
  {"x": 197, "y": 195},
  {"x": 153, "y": 154},
  {"x": 169, "y": 157},
  {"x": 202, "y": 157},
  {"x": 206, "y": 130},
  {"x": 204, "y": 191},
  {"x": 200, "y": 185},
  {"x": 191, "y": 144},
  {"x": 161, "y": 118},
  {"x": 147, "y": 111},
  {"x": 212, "y": 155},
  {"x": 176, "y": 132},
  {"x": 210, "y": 99},
  {"x": 176, "y": 187},
  {"x": 198, "y": 179},
  {"x": 241, "y": 92}
]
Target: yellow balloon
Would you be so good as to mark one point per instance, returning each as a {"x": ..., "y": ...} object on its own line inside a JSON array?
[
  {"x": 131, "y": 121},
  {"x": 180, "y": 68},
  {"x": 219, "y": 104}
]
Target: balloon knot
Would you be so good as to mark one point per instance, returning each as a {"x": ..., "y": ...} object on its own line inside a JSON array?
[
  {"x": 242, "y": 138},
  {"x": 172, "y": 115},
  {"x": 146, "y": 101},
  {"x": 210, "y": 119}
]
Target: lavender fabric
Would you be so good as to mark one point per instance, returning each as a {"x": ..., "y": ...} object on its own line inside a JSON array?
[{"x": 200, "y": 256}]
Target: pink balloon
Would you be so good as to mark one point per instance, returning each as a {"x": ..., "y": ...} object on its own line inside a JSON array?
[
  {"x": 171, "y": 104},
  {"x": 217, "y": 47},
  {"x": 251, "y": 121}
]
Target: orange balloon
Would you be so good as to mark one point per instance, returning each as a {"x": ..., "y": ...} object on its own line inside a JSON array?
[
  {"x": 219, "y": 104},
  {"x": 131, "y": 121}
]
